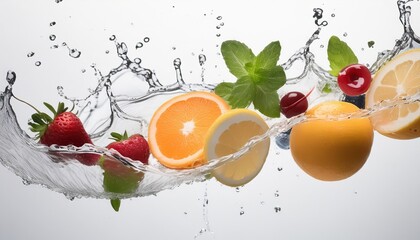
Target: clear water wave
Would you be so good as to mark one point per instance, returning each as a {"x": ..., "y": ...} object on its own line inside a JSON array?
[{"x": 55, "y": 167}]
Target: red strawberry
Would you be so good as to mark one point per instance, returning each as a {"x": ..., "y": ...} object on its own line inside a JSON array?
[
  {"x": 119, "y": 178},
  {"x": 134, "y": 147},
  {"x": 65, "y": 128}
]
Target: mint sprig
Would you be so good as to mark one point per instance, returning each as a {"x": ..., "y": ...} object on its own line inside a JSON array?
[
  {"x": 340, "y": 55},
  {"x": 258, "y": 77}
]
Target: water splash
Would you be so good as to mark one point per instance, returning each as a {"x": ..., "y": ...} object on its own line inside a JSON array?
[{"x": 38, "y": 164}]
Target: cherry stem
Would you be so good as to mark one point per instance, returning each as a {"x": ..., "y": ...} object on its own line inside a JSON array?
[{"x": 300, "y": 100}]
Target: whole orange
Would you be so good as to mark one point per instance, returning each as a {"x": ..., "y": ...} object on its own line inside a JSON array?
[{"x": 329, "y": 149}]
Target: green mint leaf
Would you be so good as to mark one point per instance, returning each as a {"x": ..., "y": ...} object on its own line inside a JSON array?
[
  {"x": 236, "y": 55},
  {"x": 340, "y": 55},
  {"x": 270, "y": 79},
  {"x": 224, "y": 90},
  {"x": 250, "y": 68},
  {"x": 267, "y": 103},
  {"x": 269, "y": 56},
  {"x": 259, "y": 77},
  {"x": 242, "y": 93}
]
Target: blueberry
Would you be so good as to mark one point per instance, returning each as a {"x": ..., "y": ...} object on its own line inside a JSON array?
[
  {"x": 359, "y": 101},
  {"x": 283, "y": 140}
]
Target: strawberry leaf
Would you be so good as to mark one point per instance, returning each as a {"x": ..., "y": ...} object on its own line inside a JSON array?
[
  {"x": 41, "y": 120},
  {"x": 116, "y": 203},
  {"x": 119, "y": 137},
  {"x": 51, "y": 108}
]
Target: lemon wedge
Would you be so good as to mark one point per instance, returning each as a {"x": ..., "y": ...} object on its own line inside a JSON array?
[
  {"x": 398, "y": 78},
  {"x": 227, "y": 135}
]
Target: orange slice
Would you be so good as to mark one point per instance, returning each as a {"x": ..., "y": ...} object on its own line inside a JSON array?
[
  {"x": 397, "y": 78},
  {"x": 178, "y": 128}
]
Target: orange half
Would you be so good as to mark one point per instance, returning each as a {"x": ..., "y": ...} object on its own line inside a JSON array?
[{"x": 178, "y": 128}]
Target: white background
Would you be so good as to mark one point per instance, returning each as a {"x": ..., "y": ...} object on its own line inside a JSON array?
[{"x": 380, "y": 202}]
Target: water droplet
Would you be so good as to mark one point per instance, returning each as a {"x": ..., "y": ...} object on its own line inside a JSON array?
[
  {"x": 139, "y": 45},
  {"x": 173, "y": 48},
  {"x": 218, "y": 27},
  {"x": 83, "y": 70},
  {"x": 202, "y": 59},
  {"x": 54, "y": 46},
  {"x": 185, "y": 213},
  {"x": 177, "y": 63},
  {"x": 26, "y": 182},
  {"x": 222, "y": 24},
  {"x": 64, "y": 44},
  {"x": 11, "y": 77},
  {"x": 74, "y": 53},
  {"x": 107, "y": 52},
  {"x": 37, "y": 63},
  {"x": 69, "y": 197},
  {"x": 345, "y": 34},
  {"x": 137, "y": 60},
  {"x": 241, "y": 213},
  {"x": 237, "y": 189},
  {"x": 277, "y": 209},
  {"x": 52, "y": 24},
  {"x": 30, "y": 54},
  {"x": 218, "y": 35},
  {"x": 60, "y": 89},
  {"x": 219, "y": 18},
  {"x": 52, "y": 37},
  {"x": 333, "y": 15},
  {"x": 318, "y": 16},
  {"x": 321, "y": 46},
  {"x": 112, "y": 38},
  {"x": 122, "y": 49},
  {"x": 262, "y": 202},
  {"x": 279, "y": 169},
  {"x": 276, "y": 194},
  {"x": 146, "y": 39},
  {"x": 58, "y": 1}
]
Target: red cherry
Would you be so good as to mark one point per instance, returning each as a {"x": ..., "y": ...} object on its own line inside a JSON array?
[
  {"x": 354, "y": 80},
  {"x": 293, "y": 103}
]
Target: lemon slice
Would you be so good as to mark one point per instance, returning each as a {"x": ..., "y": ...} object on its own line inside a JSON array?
[
  {"x": 228, "y": 134},
  {"x": 397, "y": 78}
]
